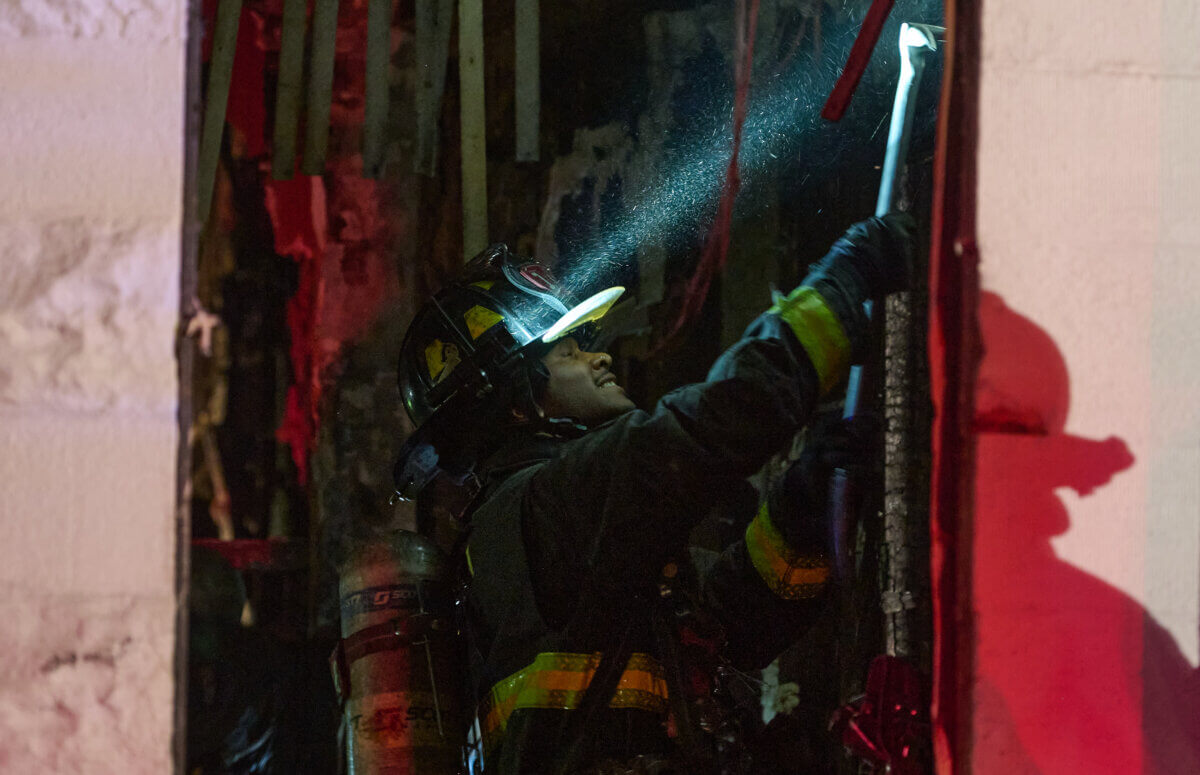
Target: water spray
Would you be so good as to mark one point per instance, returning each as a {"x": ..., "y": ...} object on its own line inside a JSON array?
[{"x": 779, "y": 115}]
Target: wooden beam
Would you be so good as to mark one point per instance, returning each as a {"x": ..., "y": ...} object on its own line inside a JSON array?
[
  {"x": 287, "y": 93},
  {"x": 474, "y": 130},
  {"x": 434, "y": 19},
  {"x": 379, "y": 55},
  {"x": 528, "y": 84},
  {"x": 220, "y": 70},
  {"x": 320, "y": 85}
]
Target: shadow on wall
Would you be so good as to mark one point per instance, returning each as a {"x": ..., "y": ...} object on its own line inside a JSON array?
[{"x": 1073, "y": 675}]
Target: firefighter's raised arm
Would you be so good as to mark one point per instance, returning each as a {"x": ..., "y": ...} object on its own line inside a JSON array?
[{"x": 618, "y": 502}]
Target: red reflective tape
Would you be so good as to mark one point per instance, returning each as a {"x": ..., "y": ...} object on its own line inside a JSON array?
[{"x": 856, "y": 63}]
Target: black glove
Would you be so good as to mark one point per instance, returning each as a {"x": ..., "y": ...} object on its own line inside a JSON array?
[
  {"x": 872, "y": 259},
  {"x": 799, "y": 501}
]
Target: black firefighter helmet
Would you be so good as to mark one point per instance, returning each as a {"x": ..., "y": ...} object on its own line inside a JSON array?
[{"x": 476, "y": 342}]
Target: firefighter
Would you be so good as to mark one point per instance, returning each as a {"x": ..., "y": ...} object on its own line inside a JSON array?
[{"x": 583, "y": 630}]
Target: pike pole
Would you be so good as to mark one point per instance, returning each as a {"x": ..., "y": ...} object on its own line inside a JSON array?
[{"x": 917, "y": 42}]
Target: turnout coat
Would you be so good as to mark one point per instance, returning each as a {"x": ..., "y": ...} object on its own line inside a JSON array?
[{"x": 568, "y": 545}]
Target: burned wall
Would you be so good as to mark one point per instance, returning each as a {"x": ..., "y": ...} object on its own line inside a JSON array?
[{"x": 635, "y": 136}]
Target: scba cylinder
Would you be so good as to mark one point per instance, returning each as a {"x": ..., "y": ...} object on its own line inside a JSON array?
[{"x": 396, "y": 666}]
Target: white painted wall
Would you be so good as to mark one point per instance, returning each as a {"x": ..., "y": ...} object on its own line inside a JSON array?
[
  {"x": 91, "y": 148},
  {"x": 1089, "y": 225}
]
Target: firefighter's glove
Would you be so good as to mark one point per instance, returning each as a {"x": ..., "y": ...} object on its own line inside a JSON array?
[
  {"x": 872, "y": 259},
  {"x": 799, "y": 503}
]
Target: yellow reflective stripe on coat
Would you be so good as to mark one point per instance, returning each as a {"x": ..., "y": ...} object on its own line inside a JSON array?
[
  {"x": 557, "y": 680},
  {"x": 789, "y": 574},
  {"x": 819, "y": 332}
]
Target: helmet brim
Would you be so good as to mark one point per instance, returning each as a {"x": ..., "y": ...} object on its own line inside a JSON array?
[{"x": 588, "y": 311}]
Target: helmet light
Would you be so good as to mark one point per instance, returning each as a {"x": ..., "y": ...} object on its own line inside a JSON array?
[{"x": 588, "y": 311}]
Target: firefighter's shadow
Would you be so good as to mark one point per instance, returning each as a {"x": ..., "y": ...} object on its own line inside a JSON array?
[{"x": 1073, "y": 674}]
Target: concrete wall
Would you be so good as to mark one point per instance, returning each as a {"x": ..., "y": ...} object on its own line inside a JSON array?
[
  {"x": 91, "y": 145},
  {"x": 1087, "y": 524}
]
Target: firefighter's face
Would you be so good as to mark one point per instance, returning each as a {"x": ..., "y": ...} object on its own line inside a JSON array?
[{"x": 581, "y": 385}]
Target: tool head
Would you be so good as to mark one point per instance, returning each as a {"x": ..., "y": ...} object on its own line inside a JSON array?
[{"x": 918, "y": 38}]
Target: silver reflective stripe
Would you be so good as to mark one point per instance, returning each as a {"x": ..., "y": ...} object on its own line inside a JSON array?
[{"x": 473, "y": 750}]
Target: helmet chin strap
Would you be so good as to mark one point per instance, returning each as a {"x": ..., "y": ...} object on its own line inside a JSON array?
[{"x": 527, "y": 411}]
